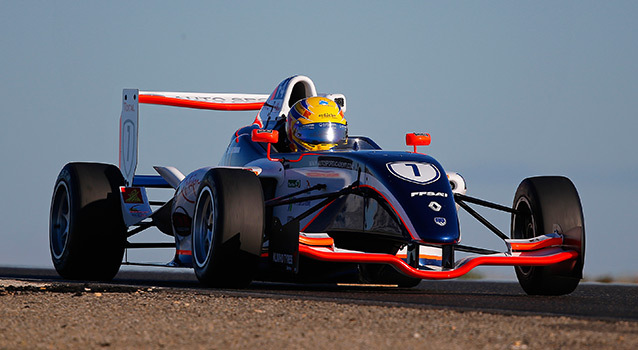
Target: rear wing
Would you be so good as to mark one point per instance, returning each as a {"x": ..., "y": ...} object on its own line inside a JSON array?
[{"x": 129, "y": 119}]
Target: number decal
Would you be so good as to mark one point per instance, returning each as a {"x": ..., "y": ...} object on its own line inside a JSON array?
[
  {"x": 420, "y": 173},
  {"x": 415, "y": 168}
]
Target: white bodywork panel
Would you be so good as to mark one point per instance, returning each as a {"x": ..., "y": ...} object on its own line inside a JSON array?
[
  {"x": 170, "y": 174},
  {"x": 278, "y": 103}
]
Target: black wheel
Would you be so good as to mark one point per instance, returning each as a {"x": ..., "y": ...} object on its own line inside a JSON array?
[
  {"x": 228, "y": 227},
  {"x": 86, "y": 230},
  {"x": 550, "y": 204}
]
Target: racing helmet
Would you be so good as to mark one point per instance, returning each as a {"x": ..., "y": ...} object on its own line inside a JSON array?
[{"x": 316, "y": 124}]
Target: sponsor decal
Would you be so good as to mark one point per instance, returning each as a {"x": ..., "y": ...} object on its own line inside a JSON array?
[
  {"x": 416, "y": 172},
  {"x": 304, "y": 204},
  {"x": 428, "y": 194},
  {"x": 319, "y": 173},
  {"x": 135, "y": 204},
  {"x": 335, "y": 162},
  {"x": 128, "y": 107},
  {"x": 138, "y": 211},
  {"x": 435, "y": 206},
  {"x": 296, "y": 206},
  {"x": 132, "y": 195},
  {"x": 440, "y": 221},
  {"x": 281, "y": 258},
  {"x": 323, "y": 103},
  {"x": 188, "y": 191},
  {"x": 294, "y": 183},
  {"x": 217, "y": 99}
]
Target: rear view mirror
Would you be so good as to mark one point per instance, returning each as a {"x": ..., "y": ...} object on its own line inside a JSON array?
[
  {"x": 268, "y": 136},
  {"x": 263, "y": 135},
  {"x": 417, "y": 139}
]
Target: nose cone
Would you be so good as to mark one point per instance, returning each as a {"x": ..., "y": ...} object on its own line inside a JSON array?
[{"x": 424, "y": 196}]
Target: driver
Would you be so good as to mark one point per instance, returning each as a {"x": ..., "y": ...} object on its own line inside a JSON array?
[{"x": 316, "y": 124}]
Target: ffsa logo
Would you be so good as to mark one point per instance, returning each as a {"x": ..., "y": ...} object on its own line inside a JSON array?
[{"x": 420, "y": 173}]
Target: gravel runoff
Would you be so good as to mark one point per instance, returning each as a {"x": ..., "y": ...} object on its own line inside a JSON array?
[{"x": 58, "y": 316}]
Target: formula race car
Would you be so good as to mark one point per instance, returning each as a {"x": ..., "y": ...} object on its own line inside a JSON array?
[{"x": 297, "y": 199}]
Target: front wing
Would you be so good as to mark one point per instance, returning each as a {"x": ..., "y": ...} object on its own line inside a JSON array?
[{"x": 527, "y": 254}]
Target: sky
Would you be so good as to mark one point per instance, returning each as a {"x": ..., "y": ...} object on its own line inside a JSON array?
[{"x": 507, "y": 90}]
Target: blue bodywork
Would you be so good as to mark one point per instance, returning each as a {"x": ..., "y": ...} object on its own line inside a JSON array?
[{"x": 390, "y": 202}]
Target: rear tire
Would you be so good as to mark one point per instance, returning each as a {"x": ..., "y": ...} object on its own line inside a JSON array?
[
  {"x": 228, "y": 228},
  {"x": 86, "y": 230},
  {"x": 548, "y": 204}
]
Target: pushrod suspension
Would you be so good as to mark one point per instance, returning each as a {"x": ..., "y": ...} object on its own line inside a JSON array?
[
  {"x": 461, "y": 197},
  {"x": 478, "y": 216}
]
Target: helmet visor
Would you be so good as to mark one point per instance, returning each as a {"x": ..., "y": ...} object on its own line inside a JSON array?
[{"x": 318, "y": 133}]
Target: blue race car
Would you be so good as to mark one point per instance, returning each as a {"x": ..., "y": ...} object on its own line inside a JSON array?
[{"x": 297, "y": 199}]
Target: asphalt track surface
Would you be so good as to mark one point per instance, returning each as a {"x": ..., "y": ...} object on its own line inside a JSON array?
[{"x": 590, "y": 300}]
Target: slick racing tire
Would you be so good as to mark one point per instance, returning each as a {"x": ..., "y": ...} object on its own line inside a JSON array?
[
  {"x": 228, "y": 228},
  {"x": 87, "y": 234},
  {"x": 550, "y": 204}
]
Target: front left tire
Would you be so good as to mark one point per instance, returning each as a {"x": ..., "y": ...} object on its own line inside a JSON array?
[
  {"x": 549, "y": 204},
  {"x": 228, "y": 228}
]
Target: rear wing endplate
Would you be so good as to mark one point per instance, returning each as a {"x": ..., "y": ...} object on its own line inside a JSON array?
[{"x": 129, "y": 119}]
